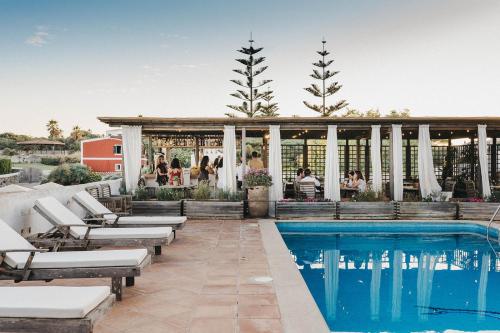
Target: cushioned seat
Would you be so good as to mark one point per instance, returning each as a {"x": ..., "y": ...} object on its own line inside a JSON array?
[
  {"x": 95, "y": 208},
  {"x": 57, "y": 214},
  {"x": 130, "y": 233},
  {"x": 79, "y": 259},
  {"x": 50, "y": 302}
]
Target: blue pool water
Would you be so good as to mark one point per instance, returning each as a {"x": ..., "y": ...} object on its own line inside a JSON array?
[{"x": 398, "y": 277}]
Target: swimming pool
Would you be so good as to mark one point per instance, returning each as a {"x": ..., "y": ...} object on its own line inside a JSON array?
[{"x": 398, "y": 277}]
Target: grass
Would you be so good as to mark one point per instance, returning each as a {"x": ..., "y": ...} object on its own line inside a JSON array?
[{"x": 33, "y": 165}]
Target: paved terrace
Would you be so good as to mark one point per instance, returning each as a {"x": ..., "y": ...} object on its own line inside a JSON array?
[{"x": 203, "y": 282}]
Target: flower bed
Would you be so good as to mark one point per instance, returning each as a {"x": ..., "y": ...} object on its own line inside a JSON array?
[
  {"x": 213, "y": 209},
  {"x": 287, "y": 209},
  {"x": 157, "y": 208}
]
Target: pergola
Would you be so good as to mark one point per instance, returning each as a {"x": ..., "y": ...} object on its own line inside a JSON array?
[
  {"x": 42, "y": 145},
  {"x": 306, "y": 137}
]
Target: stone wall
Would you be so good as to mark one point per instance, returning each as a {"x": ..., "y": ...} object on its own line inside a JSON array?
[{"x": 9, "y": 178}]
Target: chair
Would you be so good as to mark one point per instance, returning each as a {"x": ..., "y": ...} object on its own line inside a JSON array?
[
  {"x": 470, "y": 189},
  {"x": 125, "y": 200},
  {"x": 51, "y": 309},
  {"x": 307, "y": 190},
  {"x": 70, "y": 231},
  {"x": 449, "y": 185},
  {"x": 99, "y": 211},
  {"x": 21, "y": 261}
]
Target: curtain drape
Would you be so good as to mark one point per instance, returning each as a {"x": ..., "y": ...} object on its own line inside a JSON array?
[
  {"x": 332, "y": 172},
  {"x": 483, "y": 285},
  {"x": 397, "y": 284},
  {"x": 376, "y": 161},
  {"x": 483, "y": 160},
  {"x": 229, "y": 161},
  {"x": 375, "y": 286},
  {"x": 132, "y": 153},
  {"x": 397, "y": 163},
  {"x": 331, "y": 265},
  {"x": 426, "y": 175},
  {"x": 425, "y": 275},
  {"x": 276, "y": 189}
]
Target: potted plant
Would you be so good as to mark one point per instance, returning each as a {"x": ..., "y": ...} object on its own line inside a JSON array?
[{"x": 257, "y": 183}]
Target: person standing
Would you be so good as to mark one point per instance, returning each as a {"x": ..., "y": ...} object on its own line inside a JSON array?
[
  {"x": 175, "y": 172},
  {"x": 204, "y": 168},
  {"x": 161, "y": 171},
  {"x": 255, "y": 163}
]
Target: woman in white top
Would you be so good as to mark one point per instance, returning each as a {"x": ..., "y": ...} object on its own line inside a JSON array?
[
  {"x": 358, "y": 181},
  {"x": 220, "y": 174}
]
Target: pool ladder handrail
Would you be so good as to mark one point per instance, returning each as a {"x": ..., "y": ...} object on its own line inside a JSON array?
[{"x": 492, "y": 219}]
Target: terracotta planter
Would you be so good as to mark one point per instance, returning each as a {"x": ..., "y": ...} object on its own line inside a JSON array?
[{"x": 258, "y": 204}]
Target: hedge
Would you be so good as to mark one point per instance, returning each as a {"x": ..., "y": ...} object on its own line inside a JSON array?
[{"x": 5, "y": 166}]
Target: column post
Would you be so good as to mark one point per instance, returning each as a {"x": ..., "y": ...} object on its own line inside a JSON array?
[
  {"x": 244, "y": 149},
  {"x": 494, "y": 160},
  {"x": 408, "y": 160}
]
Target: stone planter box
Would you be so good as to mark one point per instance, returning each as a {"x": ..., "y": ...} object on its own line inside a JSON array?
[
  {"x": 427, "y": 211},
  {"x": 10, "y": 178},
  {"x": 378, "y": 210},
  {"x": 155, "y": 207},
  {"x": 482, "y": 211},
  {"x": 304, "y": 210},
  {"x": 213, "y": 209}
]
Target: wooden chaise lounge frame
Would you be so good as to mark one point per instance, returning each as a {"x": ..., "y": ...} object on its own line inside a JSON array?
[
  {"x": 116, "y": 273},
  {"x": 59, "y": 237},
  {"x": 58, "y": 325}
]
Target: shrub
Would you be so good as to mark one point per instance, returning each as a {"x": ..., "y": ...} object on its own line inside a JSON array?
[
  {"x": 367, "y": 196},
  {"x": 9, "y": 152},
  {"x": 202, "y": 192},
  {"x": 141, "y": 194},
  {"x": 51, "y": 160},
  {"x": 73, "y": 174},
  {"x": 71, "y": 159},
  {"x": 5, "y": 166},
  {"x": 169, "y": 194},
  {"x": 258, "y": 177},
  {"x": 224, "y": 195}
]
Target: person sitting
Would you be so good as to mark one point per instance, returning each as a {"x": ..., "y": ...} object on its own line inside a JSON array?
[
  {"x": 161, "y": 171},
  {"x": 175, "y": 172},
  {"x": 348, "y": 181},
  {"x": 358, "y": 181},
  {"x": 309, "y": 178},
  {"x": 300, "y": 175},
  {"x": 255, "y": 163}
]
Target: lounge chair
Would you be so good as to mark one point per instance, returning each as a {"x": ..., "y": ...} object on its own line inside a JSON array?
[
  {"x": 99, "y": 211},
  {"x": 52, "y": 309},
  {"x": 70, "y": 231},
  {"x": 21, "y": 261}
]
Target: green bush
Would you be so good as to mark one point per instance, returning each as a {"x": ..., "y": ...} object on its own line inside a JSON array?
[
  {"x": 73, "y": 174},
  {"x": 141, "y": 194},
  {"x": 367, "y": 196},
  {"x": 71, "y": 159},
  {"x": 51, "y": 160},
  {"x": 9, "y": 152},
  {"x": 224, "y": 195},
  {"x": 5, "y": 166},
  {"x": 169, "y": 194},
  {"x": 202, "y": 192}
]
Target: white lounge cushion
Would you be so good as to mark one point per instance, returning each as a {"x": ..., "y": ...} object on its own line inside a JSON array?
[
  {"x": 57, "y": 214},
  {"x": 50, "y": 302},
  {"x": 90, "y": 203},
  {"x": 130, "y": 233},
  {"x": 11, "y": 240},
  {"x": 155, "y": 220},
  {"x": 80, "y": 259}
]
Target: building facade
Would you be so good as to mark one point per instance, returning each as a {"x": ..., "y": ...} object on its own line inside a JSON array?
[{"x": 102, "y": 154}]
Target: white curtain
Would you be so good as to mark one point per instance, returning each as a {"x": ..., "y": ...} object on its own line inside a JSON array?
[
  {"x": 332, "y": 173},
  {"x": 229, "y": 160},
  {"x": 426, "y": 175},
  {"x": 397, "y": 284},
  {"x": 483, "y": 284},
  {"x": 331, "y": 265},
  {"x": 483, "y": 160},
  {"x": 375, "y": 286},
  {"x": 425, "y": 276},
  {"x": 376, "y": 159},
  {"x": 276, "y": 189},
  {"x": 397, "y": 163},
  {"x": 132, "y": 154}
]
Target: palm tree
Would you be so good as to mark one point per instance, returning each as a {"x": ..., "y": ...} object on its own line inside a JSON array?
[
  {"x": 54, "y": 131},
  {"x": 250, "y": 95},
  {"x": 323, "y": 75},
  {"x": 77, "y": 133}
]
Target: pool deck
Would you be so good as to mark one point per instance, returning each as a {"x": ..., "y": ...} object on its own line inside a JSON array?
[{"x": 203, "y": 282}]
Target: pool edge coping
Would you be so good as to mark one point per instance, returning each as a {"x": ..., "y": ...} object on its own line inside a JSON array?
[{"x": 299, "y": 311}]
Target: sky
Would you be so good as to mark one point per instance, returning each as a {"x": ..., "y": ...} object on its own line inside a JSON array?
[{"x": 76, "y": 60}]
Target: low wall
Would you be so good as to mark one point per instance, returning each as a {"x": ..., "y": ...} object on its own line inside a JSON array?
[
  {"x": 17, "y": 208},
  {"x": 9, "y": 178}
]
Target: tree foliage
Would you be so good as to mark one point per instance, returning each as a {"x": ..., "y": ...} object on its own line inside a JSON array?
[
  {"x": 269, "y": 109},
  {"x": 405, "y": 113},
  {"x": 324, "y": 90},
  {"x": 248, "y": 88},
  {"x": 54, "y": 131}
]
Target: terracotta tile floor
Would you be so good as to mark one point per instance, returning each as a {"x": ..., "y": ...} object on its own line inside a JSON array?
[{"x": 203, "y": 282}]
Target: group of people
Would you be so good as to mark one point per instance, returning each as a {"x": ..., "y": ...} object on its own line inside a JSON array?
[
  {"x": 165, "y": 174},
  {"x": 355, "y": 179}
]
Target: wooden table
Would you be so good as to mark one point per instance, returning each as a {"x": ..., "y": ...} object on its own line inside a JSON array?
[{"x": 346, "y": 191}]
